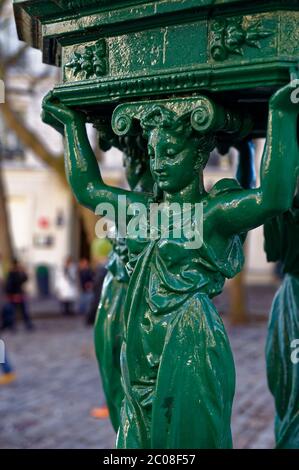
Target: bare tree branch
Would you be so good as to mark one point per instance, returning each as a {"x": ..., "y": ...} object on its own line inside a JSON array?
[
  {"x": 18, "y": 126},
  {"x": 30, "y": 140},
  {"x": 2, "y": 5},
  {"x": 35, "y": 80},
  {"x": 14, "y": 58},
  {"x": 7, "y": 252}
]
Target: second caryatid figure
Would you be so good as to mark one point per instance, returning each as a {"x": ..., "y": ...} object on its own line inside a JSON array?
[
  {"x": 282, "y": 245},
  {"x": 109, "y": 325},
  {"x": 177, "y": 368}
]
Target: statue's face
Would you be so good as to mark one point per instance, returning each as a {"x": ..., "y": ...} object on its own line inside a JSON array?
[{"x": 172, "y": 159}]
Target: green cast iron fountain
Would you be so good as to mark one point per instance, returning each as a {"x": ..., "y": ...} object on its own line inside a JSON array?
[{"x": 173, "y": 79}]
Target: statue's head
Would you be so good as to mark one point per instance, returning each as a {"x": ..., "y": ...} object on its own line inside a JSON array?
[
  {"x": 176, "y": 150},
  {"x": 181, "y": 133}
]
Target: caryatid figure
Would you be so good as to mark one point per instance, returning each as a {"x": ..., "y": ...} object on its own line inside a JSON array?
[
  {"x": 282, "y": 245},
  {"x": 176, "y": 363}
]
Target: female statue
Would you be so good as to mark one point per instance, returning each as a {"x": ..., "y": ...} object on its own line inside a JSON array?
[
  {"x": 109, "y": 325},
  {"x": 177, "y": 366},
  {"x": 282, "y": 244}
]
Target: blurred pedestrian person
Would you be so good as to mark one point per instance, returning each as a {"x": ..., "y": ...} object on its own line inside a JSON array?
[
  {"x": 66, "y": 286},
  {"x": 86, "y": 280},
  {"x": 15, "y": 294},
  {"x": 7, "y": 317},
  {"x": 100, "y": 274},
  {"x": 7, "y": 311},
  {"x": 1, "y": 272}
]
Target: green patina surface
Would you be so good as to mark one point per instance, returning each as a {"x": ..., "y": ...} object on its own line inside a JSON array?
[
  {"x": 160, "y": 47},
  {"x": 172, "y": 334},
  {"x": 281, "y": 244},
  {"x": 167, "y": 81}
]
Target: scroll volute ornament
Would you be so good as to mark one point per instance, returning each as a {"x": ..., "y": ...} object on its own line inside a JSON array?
[{"x": 200, "y": 112}]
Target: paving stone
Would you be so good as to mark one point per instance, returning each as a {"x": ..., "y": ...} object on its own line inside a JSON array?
[{"x": 58, "y": 384}]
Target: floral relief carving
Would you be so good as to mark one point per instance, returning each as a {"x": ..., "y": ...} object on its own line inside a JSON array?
[
  {"x": 92, "y": 62},
  {"x": 229, "y": 36}
]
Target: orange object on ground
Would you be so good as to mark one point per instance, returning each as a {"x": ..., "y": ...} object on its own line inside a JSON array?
[
  {"x": 100, "y": 413},
  {"x": 8, "y": 378}
]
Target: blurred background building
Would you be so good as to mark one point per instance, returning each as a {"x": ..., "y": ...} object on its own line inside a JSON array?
[
  {"x": 44, "y": 223},
  {"x": 41, "y": 224}
]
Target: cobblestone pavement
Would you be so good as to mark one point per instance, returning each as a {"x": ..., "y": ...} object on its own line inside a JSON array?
[
  {"x": 253, "y": 411},
  {"x": 58, "y": 384}
]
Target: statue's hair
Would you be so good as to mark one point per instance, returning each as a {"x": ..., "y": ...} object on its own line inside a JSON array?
[
  {"x": 159, "y": 117},
  {"x": 135, "y": 148}
]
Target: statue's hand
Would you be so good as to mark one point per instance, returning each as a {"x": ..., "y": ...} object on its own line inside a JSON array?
[
  {"x": 57, "y": 114},
  {"x": 286, "y": 98},
  {"x": 49, "y": 119}
]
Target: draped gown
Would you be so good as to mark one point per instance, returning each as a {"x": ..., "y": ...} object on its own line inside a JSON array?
[
  {"x": 177, "y": 367},
  {"x": 109, "y": 327},
  {"x": 282, "y": 244}
]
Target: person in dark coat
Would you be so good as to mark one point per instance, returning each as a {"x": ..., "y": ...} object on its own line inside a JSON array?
[
  {"x": 86, "y": 279},
  {"x": 100, "y": 274},
  {"x": 15, "y": 294}
]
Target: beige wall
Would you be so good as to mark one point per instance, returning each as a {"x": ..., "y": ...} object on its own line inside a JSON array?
[{"x": 34, "y": 194}]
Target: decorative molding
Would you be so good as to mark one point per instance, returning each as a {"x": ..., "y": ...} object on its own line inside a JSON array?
[
  {"x": 106, "y": 90},
  {"x": 200, "y": 112},
  {"x": 229, "y": 36},
  {"x": 70, "y": 4},
  {"x": 156, "y": 84},
  {"x": 93, "y": 62}
]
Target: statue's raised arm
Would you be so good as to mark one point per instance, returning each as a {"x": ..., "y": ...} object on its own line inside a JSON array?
[
  {"x": 247, "y": 209},
  {"x": 81, "y": 166}
]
